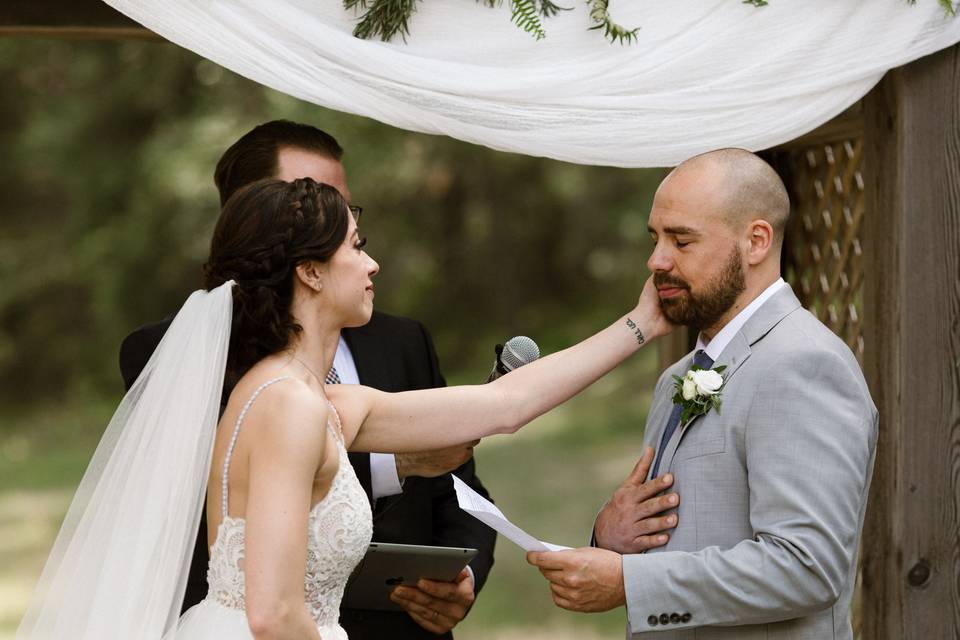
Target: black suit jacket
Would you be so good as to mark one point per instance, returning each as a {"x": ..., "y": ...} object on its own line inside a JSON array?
[{"x": 391, "y": 354}]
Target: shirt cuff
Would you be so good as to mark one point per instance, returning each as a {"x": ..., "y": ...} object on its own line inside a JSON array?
[{"x": 384, "y": 480}]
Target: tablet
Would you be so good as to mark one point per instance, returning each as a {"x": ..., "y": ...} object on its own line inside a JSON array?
[{"x": 386, "y": 566}]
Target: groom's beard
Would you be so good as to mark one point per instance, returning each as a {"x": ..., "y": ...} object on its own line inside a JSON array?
[{"x": 701, "y": 310}]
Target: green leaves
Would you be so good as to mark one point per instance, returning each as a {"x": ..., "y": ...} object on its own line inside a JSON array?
[
  {"x": 948, "y": 6},
  {"x": 383, "y": 18},
  {"x": 525, "y": 15},
  {"x": 600, "y": 16},
  {"x": 549, "y": 9},
  {"x": 387, "y": 18}
]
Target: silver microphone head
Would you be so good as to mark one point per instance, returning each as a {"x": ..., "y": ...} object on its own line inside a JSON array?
[{"x": 519, "y": 351}]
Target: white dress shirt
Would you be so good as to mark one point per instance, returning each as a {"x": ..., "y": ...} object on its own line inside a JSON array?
[
  {"x": 384, "y": 480},
  {"x": 720, "y": 341}
]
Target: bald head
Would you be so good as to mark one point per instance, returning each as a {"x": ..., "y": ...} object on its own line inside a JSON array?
[{"x": 749, "y": 187}]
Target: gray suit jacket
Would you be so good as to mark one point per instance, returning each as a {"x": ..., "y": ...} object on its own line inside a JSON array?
[{"x": 772, "y": 489}]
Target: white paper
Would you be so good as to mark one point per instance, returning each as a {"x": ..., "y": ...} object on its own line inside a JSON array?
[{"x": 488, "y": 513}]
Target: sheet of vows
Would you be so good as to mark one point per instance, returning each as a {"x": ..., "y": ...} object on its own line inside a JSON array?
[{"x": 488, "y": 513}]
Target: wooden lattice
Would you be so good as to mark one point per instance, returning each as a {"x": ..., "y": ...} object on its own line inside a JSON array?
[{"x": 823, "y": 254}]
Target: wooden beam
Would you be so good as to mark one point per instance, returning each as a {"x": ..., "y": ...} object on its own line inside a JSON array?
[
  {"x": 67, "y": 18},
  {"x": 911, "y": 557},
  {"x": 846, "y": 126}
]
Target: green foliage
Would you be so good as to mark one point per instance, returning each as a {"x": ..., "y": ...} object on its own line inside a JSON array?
[
  {"x": 383, "y": 18},
  {"x": 549, "y": 9},
  {"x": 600, "y": 16},
  {"x": 948, "y": 5},
  {"x": 387, "y": 18},
  {"x": 107, "y": 204},
  {"x": 524, "y": 14}
]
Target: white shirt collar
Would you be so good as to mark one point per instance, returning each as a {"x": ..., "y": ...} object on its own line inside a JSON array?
[
  {"x": 720, "y": 341},
  {"x": 344, "y": 364}
]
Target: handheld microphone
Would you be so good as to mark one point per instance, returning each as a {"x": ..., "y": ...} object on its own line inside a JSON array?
[{"x": 514, "y": 354}]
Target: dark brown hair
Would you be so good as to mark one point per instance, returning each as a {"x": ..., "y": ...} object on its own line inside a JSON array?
[
  {"x": 265, "y": 230},
  {"x": 254, "y": 156}
]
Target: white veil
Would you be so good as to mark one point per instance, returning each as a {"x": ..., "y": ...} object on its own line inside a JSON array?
[{"x": 118, "y": 568}]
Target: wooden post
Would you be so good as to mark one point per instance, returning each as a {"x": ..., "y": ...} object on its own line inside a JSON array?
[
  {"x": 674, "y": 346},
  {"x": 911, "y": 554}
]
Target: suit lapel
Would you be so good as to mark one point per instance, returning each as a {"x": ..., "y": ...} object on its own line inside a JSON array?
[
  {"x": 769, "y": 315},
  {"x": 661, "y": 407}
]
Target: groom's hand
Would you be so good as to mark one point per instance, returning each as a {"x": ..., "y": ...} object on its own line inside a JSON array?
[
  {"x": 630, "y": 521},
  {"x": 431, "y": 464},
  {"x": 585, "y": 580},
  {"x": 434, "y": 605}
]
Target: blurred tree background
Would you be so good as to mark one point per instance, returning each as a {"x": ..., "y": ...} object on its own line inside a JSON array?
[{"x": 106, "y": 207}]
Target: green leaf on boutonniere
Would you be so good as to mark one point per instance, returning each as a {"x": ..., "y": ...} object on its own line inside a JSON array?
[{"x": 703, "y": 391}]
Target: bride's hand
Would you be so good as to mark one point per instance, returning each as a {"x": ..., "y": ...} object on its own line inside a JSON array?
[{"x": 649, "y": 315}]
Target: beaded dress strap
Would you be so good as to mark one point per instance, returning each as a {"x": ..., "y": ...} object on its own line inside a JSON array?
[
  {"x": 233, "y": 443},
  {"x": 338, "y": 433}
]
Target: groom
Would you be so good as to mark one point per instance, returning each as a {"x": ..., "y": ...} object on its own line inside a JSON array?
[
  {"x": 391, "y": 354},
  {"x": 774, "y": 479}
]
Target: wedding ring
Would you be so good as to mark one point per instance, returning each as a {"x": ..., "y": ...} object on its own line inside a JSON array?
[{"x": 435, "y": 614}]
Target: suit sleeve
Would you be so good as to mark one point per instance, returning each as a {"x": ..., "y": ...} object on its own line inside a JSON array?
[
  {"x": 452, "y": 525},
  {"x": 809, "y": 443},
  {"x": 136, "y": 349}
]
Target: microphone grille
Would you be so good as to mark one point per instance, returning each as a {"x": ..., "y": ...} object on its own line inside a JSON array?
[{"x": 519, "y": 351}]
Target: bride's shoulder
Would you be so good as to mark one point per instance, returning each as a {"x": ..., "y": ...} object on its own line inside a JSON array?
[{"x": 283, "y": 407}]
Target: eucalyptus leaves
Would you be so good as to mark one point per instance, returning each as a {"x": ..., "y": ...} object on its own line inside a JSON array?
[{"x": 386, "y": 18}]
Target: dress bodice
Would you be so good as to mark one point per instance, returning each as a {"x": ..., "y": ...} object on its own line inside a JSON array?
[{"x": 340, "y": 527}]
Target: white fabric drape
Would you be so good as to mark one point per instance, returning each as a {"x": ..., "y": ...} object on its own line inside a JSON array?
[
  {"x": 704, "y": 73},
  {"x": 119, "y": 566}
]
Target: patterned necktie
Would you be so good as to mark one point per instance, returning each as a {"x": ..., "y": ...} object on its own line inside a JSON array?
[
  {"x": 702, "y": 360},
  {"x": 332, "y": 376}
]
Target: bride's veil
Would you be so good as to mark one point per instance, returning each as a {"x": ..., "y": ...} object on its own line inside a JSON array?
[{"x": 118, "y": 568}]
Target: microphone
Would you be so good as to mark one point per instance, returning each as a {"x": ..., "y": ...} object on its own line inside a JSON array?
[{"x": 514, "y": 354}]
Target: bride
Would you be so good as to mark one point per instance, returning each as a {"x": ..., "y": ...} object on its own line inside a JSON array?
[{"x": 288, "y": 518}]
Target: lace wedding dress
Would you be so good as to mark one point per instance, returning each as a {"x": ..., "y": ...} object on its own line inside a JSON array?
[{"x": 340, "y": 528}]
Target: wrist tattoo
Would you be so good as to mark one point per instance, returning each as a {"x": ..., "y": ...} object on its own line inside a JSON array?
[{"x": 636, "y": 331}]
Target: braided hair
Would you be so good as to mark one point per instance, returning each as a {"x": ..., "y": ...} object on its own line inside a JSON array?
[{"x": 265, "y": 230}]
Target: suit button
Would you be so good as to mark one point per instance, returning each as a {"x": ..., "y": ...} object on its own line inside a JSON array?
[
  {"x": 685, "y": 618},
  {"x": 675, "y": 618},
  {"x": 664, "y": 618},
  {"x": 653, "y": 621}
]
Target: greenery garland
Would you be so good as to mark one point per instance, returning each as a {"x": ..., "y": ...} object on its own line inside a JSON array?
[{"x": 387, "y": 18}]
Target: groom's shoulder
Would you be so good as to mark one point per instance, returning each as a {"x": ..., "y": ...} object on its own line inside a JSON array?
[
  {"x": 804, "y": 335},
  {"x": 811, "y": 349}
]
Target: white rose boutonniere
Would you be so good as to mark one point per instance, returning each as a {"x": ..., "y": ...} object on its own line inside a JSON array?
[{"x": 698, "y": 392}]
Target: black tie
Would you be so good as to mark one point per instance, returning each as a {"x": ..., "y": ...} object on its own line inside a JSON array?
[{"x": 702, "y": 360}]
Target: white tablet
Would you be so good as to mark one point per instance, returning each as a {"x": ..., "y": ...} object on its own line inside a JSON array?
[{"x": 387, "y": 565}]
